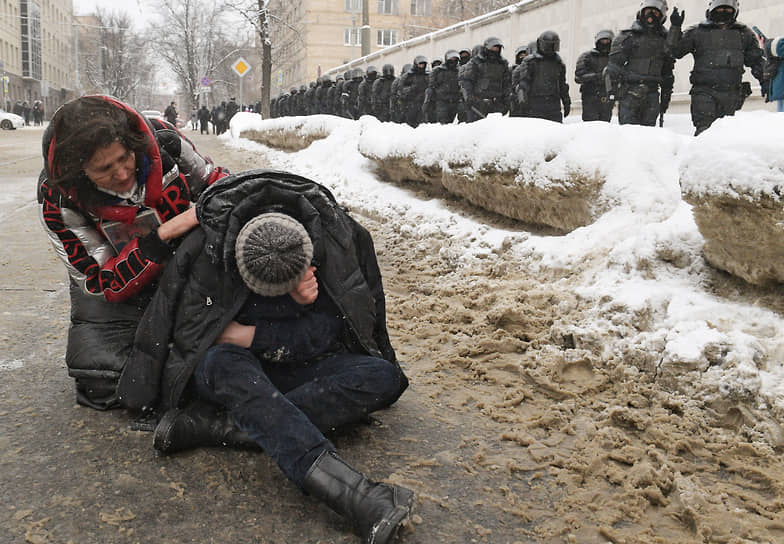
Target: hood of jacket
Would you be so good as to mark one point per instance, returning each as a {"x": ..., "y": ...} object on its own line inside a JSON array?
[
  {"x": 153, "y": 163},
  {"x": 225, "y": 207}
]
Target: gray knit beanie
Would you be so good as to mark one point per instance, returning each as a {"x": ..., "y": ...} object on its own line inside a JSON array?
[{"x": 273, "y": 252}]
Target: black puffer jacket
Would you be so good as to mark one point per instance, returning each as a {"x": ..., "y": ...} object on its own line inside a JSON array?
[{"x": 201, "y": 291}]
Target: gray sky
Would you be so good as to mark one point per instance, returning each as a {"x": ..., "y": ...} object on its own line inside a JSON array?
[{"x": 131, "y": 7}]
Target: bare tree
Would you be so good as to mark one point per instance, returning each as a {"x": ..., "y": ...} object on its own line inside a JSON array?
[
  {"x": 118, "y": 65},
  {"x": 189, "y": 36},
  {"x": 257, "y": 14}
]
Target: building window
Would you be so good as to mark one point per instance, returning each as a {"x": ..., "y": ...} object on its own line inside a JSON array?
[
  {"x": 387, "y": 7},
  {"x": 352, "y": 36},
  {"x": 386, "y": 37},
  {"x": 420, "y": 7},
  {"x": 354, "y": 5}
]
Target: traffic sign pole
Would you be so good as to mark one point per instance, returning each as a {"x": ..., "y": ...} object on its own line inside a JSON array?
[{"x": 241, "y": 67}]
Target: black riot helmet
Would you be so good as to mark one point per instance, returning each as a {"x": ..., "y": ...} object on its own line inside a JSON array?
[
  {"x": 388, "y": 71},
  {"x": 451, "y": 58},
  {"x": 603, "y": 40},
  {"x": 293, "y": 90},
  {"x": 371, "y": 72},
  {"x": 326, "y": 80},
  {"x": 346, "y": 75},
  {"x": 465, "y": 55},
  {"x": 418, "y": 60},
  {"x": 647, "y": 13},
  {"x": 489, "y": 45},
  {"x": 406, "y": 68},
  {"x": 548, "y": 43},
  {"x": 435, "y": 62},
  {"x": 303, "y": 88},
  {"x": 520, "y": 53},
  {"x": 722, "y": 12},
  {"x": 356, "y": 73}
]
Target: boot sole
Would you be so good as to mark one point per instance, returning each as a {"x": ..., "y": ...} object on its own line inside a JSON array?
[
  {"x": 385, "y": 531},
  {"x": 161, "y": 440}
]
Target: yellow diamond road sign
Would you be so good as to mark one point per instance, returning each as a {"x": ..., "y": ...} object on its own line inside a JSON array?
[{"x": 241, "y": 67}]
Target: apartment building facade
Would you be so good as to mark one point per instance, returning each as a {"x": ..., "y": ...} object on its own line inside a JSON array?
[
  {"x": 36, "y": 52},
  {"x": 311, "y": 36}
]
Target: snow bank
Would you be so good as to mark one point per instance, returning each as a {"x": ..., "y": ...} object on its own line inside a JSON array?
[
  {"x": 288, "y": 133},
  {"x": 636, "y": 263},
  {"x": 733, "y": 175}
]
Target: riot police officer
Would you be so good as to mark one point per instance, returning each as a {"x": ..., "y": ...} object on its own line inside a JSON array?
[
  {"x": 395, "y": 106},
  {"x": 443, "y": 89},
  {"x": 640, "y": 65},
  {"x": 413, "y": 84},
  {"x": 382, "y": 89},
  {"x": 486, "y": 82},
  {"x": 721, "y": 47},
  {"x": 516, "y": 109},
  {"x": 589, "y": 74},
  {"x": 541, "y": 81},
  {"x": 365, "y": 88},
  {"x": 350, "y": 96}
]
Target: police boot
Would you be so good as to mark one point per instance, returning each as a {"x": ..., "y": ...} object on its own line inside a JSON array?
[
  {"x": 376, "y": 510},
  {"x": 198, "y": 424}
]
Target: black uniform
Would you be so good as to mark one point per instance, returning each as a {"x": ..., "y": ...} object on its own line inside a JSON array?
[
  {"x": 720, "y": 55},
  {"x": 589, "y": 74},
  {"x": 485, "y": 85},
  {"x": 411, "y": 89},
  {"x": 322, "y": 95},
  {"x": 639, "y": 65},
  {"x": 542, "y": 80},
  {"x": 365, "y": 92},
  {"x": 350, "y": 97},
  {"x": 445, "y": 91},
  {"x": 333, "y": 96},
  {"x": 381, "y": 93}
]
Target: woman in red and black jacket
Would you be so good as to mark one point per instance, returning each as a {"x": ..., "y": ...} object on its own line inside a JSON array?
[{"x": 115, "y": 195}]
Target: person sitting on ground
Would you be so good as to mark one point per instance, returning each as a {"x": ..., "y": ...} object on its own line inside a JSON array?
[
  {"x": 273, "y": 312},
  {"x": 115, "y": 196}
]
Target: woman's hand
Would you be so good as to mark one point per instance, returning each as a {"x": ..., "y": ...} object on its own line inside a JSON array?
[
  {"x": 237, "y": 334},
  {"x": 178, "y": 225},
  {"x": 306, "y": 290}
]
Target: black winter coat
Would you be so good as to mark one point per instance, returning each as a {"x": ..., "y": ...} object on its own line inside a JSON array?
[{"x": 201, "y": 291}]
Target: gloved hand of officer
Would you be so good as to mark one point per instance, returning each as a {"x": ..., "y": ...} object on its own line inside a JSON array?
[
  {"x": 677, "y": 18},
  {"x": 567, "y": 107}
]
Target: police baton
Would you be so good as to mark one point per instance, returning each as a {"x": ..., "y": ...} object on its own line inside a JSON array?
[{"x": 479, "y": 113}]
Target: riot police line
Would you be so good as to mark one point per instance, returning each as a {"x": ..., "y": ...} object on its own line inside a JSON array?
[{"x": 633, "y": 70}]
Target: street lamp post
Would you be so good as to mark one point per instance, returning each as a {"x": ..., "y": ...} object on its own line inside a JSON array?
[{"x": 365, "y": 29}]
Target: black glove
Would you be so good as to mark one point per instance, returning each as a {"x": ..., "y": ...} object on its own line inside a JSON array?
[
  {"x": 677, "y": 18},
  {"x": 567, "y": 107}
]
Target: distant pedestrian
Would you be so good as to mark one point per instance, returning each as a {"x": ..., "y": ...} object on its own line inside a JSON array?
[
  {"x": 194, "y": 117},
  {"x": 204, "y": 120},
  {"x": 26, "y": 111},
  {"x": 38, "y": 113},
  {"x": 170, "y": 114}
]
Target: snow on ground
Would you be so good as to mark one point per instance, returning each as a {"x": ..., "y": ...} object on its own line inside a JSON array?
[{"x": 642, "y": 256}]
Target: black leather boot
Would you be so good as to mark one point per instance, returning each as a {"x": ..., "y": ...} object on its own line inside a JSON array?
[
  {"x": 198, "y": 424},
  {"x": 376, "y": 510}
]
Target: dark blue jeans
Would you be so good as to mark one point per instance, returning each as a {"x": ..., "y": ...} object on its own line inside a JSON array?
[{"x": 286, "y": 408}]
